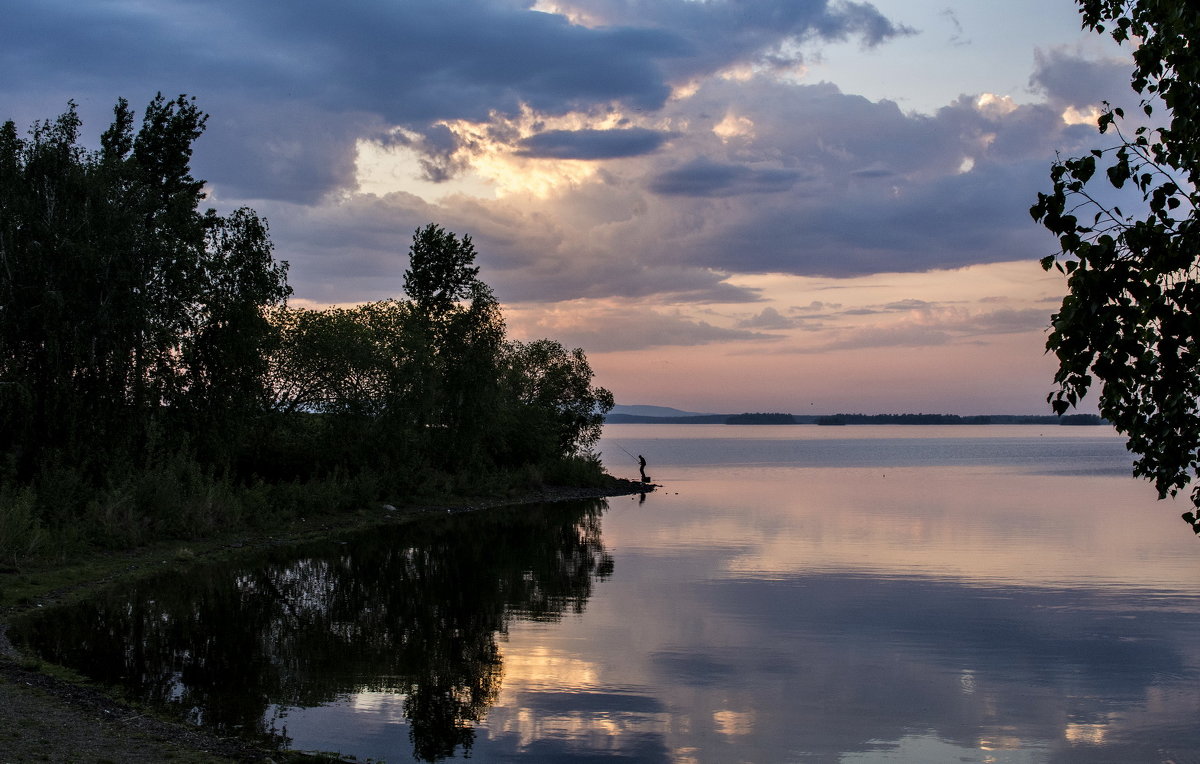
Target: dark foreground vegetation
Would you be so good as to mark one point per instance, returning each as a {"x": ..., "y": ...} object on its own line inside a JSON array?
[
  {"x": 1128, "y": 235},
  {"x": 155, "y": 385}
]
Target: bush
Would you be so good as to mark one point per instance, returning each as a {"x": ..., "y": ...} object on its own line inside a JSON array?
[{"x": 21, "y": 533}]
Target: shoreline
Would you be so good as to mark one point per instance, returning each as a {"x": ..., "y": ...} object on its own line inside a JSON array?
[{"x": 57, "y": 718}]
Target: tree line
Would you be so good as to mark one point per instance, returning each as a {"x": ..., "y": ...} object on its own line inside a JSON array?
[
  {"x": 154, "y": 380},
  {"x": 908, "y": 419}
]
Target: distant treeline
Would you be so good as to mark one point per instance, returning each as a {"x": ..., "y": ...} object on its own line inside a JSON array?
[
  {"x": 845, "y": 419},
  {"x": 154, "y": 383},
  {"x": 1073, "y": 419},
  {"x": 644, "y": 419},
  {"x": 709, "y": 419},
  {"x": 761, "y": 419}
]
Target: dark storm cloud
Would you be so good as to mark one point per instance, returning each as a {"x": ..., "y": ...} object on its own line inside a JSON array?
[
  {"x": 299, "y": 83},
  {"x": 728, "y": 31},
  {"x": 945, "y": 223},
  {"x": 408, "y": 62},
  {"x": 703, "y": 177},
  {"x": 284, "y": 149},
  {"x": 746, "y": 176},
  {"x": 420, "y": 61},
  {"x": 592, "y": 144}
]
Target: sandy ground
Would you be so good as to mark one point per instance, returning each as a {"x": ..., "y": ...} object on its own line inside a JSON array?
[{"x": 44, "y": 719}]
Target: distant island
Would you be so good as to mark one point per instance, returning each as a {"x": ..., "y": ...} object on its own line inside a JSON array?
[
  {"x": 664, "y": 415},
  {"x": 1067, "y": 419},
  {"x": 761, "y": 419}
]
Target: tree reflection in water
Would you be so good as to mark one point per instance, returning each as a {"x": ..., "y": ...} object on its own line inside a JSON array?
[{"x": 413, "y": 610}]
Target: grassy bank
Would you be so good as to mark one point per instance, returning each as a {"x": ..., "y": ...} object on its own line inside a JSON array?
[{"x": 61, "y": 518}]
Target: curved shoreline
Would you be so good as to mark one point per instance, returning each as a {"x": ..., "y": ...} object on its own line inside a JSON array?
[{"x": 50, "y": 718}]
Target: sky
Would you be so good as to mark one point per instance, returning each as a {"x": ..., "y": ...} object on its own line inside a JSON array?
[{"x": 730, "y": 205}]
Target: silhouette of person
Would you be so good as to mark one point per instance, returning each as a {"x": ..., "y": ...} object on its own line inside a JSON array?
[{"x": 642, "y": 468}]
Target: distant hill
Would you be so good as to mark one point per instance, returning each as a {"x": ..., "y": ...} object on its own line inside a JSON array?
[
  {"x": 654, "y": 411},
  {"x": 692, "y": 419}
]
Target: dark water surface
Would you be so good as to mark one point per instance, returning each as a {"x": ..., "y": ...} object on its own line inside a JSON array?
[{"x": 799, "y": 594}]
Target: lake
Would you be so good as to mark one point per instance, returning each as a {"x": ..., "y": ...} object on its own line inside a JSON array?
[{"x": 790, "y": 594}]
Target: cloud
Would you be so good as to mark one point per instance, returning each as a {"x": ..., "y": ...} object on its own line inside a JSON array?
[
  {"x": 816, "y": 307},
  {"x": 728, "y": 32},
  {"x": 299, "y": 84},
  {"x": 957, "y": 37},
  {"x": 592, "y": 144},
  {"x": 1007, "y": 321},
  {"x": 875, "y": 170},
  {"x": 629, "y": 326},
  {"x": 826, "y": 184},
  {"x": 908, "y": 304},
  {"x": 928, "y": 324},
  {"x": 768, "y": 318},
  {"x": 902, "y": 335},
  {"x": 703, "y": 177},
  {"x": 1068, "y": 78},
  {"x": 717, "y": 176}
]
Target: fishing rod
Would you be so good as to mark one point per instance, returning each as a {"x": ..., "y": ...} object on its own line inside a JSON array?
[{"x": 631, "y": 456}]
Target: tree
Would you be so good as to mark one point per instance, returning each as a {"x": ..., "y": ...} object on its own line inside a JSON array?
[
  {"x": 126, "y": 313},
  {"x": 455, "y": 395},
  {"x": 440, "y": 271},
  {"x": 342, "y": 385},
  {"x": 1131, "y": 318},
  {"x": 554, "y": 387},
  {"x": 334, "y": 361}
]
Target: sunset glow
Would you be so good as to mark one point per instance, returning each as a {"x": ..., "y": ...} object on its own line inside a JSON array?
[{"x": 814, "y": 205}]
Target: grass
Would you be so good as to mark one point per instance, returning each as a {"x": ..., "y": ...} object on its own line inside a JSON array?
[{"x": 61, "y": 521}]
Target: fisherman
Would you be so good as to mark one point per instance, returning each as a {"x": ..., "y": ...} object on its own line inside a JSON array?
[{"x": 642, "y": 468}]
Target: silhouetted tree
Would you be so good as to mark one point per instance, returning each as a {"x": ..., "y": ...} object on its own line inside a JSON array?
[
  {"x": 125, "y": 311},
  {"x": 1130, "y": 316},
  {"x": 458, "y": 317},
  {"x": 441, "y": 270},
  {"x": 553, "y": 387}
]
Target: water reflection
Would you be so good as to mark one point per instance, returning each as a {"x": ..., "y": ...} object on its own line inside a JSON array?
[
  {"x": 411, "y": 612},
  {"x": 992, "y": 603}
]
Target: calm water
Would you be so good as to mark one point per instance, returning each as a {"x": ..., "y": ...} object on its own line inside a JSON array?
[{"x": 791, "y": 594}]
